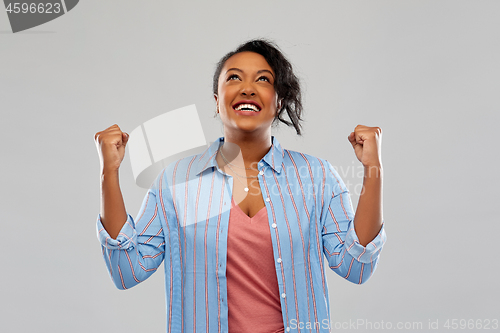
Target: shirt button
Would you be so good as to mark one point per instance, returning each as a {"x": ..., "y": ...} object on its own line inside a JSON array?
[
  {"x": 288, "y": 329},
  {"x": 268, "y": 199},
  {"x": 283, "y": 295},
  {"x": 261, "y": 172},
  {"x": 278, "y": 260},
  {"x": 261, "y": 164},
  {"x": 273, "y": 225}
]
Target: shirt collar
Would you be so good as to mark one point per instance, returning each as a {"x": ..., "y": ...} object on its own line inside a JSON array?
[{"x": 273, "y": 158}]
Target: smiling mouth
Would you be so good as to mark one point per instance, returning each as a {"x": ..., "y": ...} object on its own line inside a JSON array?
[{"x": 247, "y": 107}]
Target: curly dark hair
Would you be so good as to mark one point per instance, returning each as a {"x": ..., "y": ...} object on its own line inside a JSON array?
[{"x": 286, "y": 84}]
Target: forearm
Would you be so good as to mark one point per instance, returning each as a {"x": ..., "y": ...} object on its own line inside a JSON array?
[
  {"x": 368, "y": 218},
  {"x": 132, "y": 249},
  {"x": 113, "y": 213}
]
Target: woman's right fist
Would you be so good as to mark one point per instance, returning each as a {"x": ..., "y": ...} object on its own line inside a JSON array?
[{"x": 111, "y": 147}]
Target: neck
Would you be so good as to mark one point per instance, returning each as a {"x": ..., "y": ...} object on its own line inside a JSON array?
[{"x": 245, "y": 149}]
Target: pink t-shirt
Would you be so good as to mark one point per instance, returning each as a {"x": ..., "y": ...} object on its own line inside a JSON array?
[{"x": 253, "y": 297}]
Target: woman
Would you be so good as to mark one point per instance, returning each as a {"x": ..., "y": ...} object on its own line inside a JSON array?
[{"x": 244, "y": 226}]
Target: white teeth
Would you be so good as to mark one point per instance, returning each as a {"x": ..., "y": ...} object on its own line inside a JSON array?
[{"x": 247, "y": 106}]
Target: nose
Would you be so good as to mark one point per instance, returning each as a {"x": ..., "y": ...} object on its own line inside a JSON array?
[{"x": 247, "y": 90}]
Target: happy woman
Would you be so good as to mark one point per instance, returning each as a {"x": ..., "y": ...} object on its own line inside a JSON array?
[{"x": 246, "y": 227}]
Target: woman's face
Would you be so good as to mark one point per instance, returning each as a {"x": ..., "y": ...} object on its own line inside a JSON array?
[{"x": 247, "y": 100}]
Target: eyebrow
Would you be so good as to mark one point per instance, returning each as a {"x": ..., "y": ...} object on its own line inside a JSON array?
[{"x": 258, "y": 72}]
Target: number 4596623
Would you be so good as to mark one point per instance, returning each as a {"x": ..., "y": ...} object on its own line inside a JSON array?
[
  {"x": 23, "y": 7},
  {"x": 478, "y": 324}
]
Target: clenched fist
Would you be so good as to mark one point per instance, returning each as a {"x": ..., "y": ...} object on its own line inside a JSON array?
[
  {"x": 367, "y": 142},
  {"x": 111, "y": 147}
]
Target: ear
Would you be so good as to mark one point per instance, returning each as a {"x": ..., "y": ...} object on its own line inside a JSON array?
[
  {"x": 217, "y": 101},
  {"x": 280, "y": 104}
]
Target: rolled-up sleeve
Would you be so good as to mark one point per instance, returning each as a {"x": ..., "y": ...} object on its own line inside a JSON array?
[
  {"x": 139, "y": 248},
  {"x": 124, "y": 239},
  {"x": 345, "y": 255}
]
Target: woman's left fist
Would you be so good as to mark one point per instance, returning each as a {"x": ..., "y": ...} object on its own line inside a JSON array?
[{"x": 367, "y": 142}]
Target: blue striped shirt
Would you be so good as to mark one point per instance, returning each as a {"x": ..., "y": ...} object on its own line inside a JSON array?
[{"x": 184, "y": 220}]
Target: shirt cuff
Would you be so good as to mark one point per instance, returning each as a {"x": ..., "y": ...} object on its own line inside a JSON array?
[
  {"x": 125, "y": 239},
  {"x": 361, "y": 253}
]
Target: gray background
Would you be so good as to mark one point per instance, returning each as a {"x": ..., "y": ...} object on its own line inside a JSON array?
[{"x": 427, "y": 72}]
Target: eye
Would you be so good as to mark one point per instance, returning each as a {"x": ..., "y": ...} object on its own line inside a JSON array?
[
  {"x": 263, "y": 78},
  {"x": 233, "y": 77}
]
